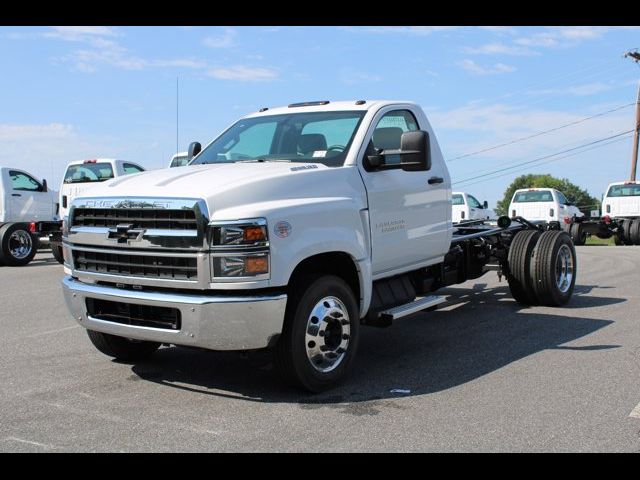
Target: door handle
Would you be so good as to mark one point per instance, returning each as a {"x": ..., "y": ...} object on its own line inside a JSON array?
[
  {"x": 16, "y": 194},
  {"x": 434, "y": 180}
]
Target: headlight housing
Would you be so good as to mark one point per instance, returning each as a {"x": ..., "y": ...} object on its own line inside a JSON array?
[{"x": 239, "y": 249}]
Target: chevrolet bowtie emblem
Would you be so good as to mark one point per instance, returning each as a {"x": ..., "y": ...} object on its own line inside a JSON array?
[{"x": 124, "y": 232}]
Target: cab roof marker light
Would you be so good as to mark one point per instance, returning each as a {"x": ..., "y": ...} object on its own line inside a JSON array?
[
  {"x": 263, "y": 109},
  {"x": 90, "y": 161},
  {"x": 308, "y": 104},
  {"x": 361, "y": 102}
]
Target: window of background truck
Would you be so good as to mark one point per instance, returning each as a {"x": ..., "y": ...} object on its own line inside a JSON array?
[
  {"x": 562, "y": 199},
  {"x": 312, "y": 137},
  {"x": 22, "y": 181},
  {"x": 624, "y": 191},
  {"x": 88, "y": 172},
  {"x": 473, "y": 202},
  {"x": 389, "y": 130},
  {"x": 457, "y": 199},
  {"x": 131, "y": 168},
  {"x": 535, "y": 196},
  {"x": 180, "y": 161}
]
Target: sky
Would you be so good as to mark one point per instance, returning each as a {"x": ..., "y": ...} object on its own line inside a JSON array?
[{"x": 71, "y": 93}]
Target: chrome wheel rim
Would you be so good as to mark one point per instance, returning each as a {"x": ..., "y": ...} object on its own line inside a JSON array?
[
  {"x": 328, "y": 334},
  {"x": 564, "y": 268},
  {"x": 20, "y": 244}
]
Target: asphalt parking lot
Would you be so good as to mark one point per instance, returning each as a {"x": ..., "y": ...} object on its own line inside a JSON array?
[{"x": 481, "y": 374}]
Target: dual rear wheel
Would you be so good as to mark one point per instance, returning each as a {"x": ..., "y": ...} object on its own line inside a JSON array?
[{"x": 542, "y": 267}]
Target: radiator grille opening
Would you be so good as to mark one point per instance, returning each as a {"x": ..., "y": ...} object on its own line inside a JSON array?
[
  {"x": 130, "y": 264},
  {"x": 133, "y": 314}
]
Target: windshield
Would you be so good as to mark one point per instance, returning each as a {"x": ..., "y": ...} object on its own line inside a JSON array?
[
  {"x": 631, "y": 190},
  {"x": 88, "y": 172},
  {"x": 457, "y": 200},
  {"x": 535, "y": 196},
  {"x": 317, "y": 137}
]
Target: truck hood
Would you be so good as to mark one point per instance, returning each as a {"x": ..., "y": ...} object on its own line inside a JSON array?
[{"x": 234, "y": 184}]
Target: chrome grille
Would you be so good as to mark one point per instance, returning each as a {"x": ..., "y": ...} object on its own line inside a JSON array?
[
  {"x": 174, "y": 219},
  {"x": 136, "y": 265}
]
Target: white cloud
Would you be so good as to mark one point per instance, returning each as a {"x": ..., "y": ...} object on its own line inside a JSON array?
[
  {"x": 243, "y": 73},
  {"x": 499, "y": 49},
  {"x": 223, "y": 41},
  {"x": 477, "y": 69},
  {"x": 19, "y": 132}
]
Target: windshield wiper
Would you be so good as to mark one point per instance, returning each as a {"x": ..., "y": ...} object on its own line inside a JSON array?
[{"x": 264, "y": 160}]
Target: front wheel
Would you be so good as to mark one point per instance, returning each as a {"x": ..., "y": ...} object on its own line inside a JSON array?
[
  {"x": 121, "y": 348},
  {"x": 320, "y": 334}
]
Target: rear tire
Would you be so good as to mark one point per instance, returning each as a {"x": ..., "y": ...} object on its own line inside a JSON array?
[
  {"x": 626, "y": 228},
  {"x": 634, "y": 232},
  {"x": 17, "y": 245},
  {"x": 320, "y": 333},
  {"x": 578, "y": 234},
  {"x": 519, "y": 259},
  {"x": 56, "y": 250},
  {"x": 553, "y": 268},
  {"x": 122, "y": 348}
]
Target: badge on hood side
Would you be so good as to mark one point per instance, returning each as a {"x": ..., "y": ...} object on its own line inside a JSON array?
[{"x": 282, "y": 229}]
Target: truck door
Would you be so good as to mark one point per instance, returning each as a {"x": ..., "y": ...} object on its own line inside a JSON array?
[
  {"x": 476, "y": 211},
  {"x": 28, "y": 200},
  {"x": 410, "y": 212}
]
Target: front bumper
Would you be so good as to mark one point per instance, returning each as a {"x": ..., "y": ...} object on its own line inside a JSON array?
[{"x": 217, "y": 322}]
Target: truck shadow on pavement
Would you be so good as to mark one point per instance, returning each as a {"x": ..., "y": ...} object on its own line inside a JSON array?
[{"x": 421, "y": 354}]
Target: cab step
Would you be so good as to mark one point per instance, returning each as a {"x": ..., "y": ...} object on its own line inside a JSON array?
[{"x": 421, "y": 303}]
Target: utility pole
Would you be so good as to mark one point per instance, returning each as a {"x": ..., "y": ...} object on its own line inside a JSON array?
[{"x": 634, "y": 156}]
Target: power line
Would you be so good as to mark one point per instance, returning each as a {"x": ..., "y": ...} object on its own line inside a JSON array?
[
  {"x": 548, "y": 161},
  {"x": 521, "y": 139},
  {"x": 546, "y": 156}
]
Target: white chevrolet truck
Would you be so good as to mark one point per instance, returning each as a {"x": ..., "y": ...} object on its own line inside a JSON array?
[{"x": 291, "y": 230}]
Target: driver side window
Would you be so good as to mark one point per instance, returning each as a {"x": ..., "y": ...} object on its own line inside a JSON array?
[
  {"x": 562, "y": 199},
  {"x": 473, "y": 202},
  {"x": 23, "y": 182},
  {"x": 389, "y": 130}
]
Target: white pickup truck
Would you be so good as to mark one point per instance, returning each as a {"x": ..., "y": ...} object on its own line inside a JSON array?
[
  {"x": 289, "y": 231},
  {"x": 621, "y": 214},
  {"x": 180, "y": 159},
  {"x": 543, "y": 205},
  {"x": 24, "y": 199},
  {"x": 466, "y": 207}
]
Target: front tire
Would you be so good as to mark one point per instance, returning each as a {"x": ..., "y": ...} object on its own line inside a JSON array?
[
  {"x": 320, "y": 334},
  {"x": 122, "y": 348},
  {"x": 56, "y": 250},
  {"x": 17, "y": 245}
]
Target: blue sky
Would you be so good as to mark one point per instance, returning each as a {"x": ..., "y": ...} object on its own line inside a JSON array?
[{"x": 69, "y": 93}]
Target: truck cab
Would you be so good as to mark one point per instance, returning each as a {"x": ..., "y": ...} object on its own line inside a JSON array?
[
  {"x": 25, "y": 198},
  {"x": 466, "y": 207},
  {"x": 543, "y": 205},
  {"x": 83, "y": 174},
  {"x": 622, "y": 200}
]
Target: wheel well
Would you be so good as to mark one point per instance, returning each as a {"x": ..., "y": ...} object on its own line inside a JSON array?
[{"x": 333, "y": 263}]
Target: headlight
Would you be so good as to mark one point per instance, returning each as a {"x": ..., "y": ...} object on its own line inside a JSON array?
[
  {"x": 239, "y": 249},
  {"x": 248, "y": 265},
  {"x": 239, "y": 234},
  {"x": 65, "y": 226}
]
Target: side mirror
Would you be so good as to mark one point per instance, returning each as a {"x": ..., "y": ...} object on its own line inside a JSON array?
[
  {"x": 44, "y": 185},
  {"x": 485, "y": 204},
  {"x": 372, "y": 158},
  {"x": 194, "y": 149},
  {"x": 416, "y": 151}
]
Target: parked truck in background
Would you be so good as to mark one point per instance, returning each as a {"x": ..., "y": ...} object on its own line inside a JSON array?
[
  {"x": 24, "y": 200},
  {"x": 180, "y": 159},
  {"x": 290, "y": 231},
  {"x": 620, "y": 216},
  {"x": 466, "y": 207},
  {"x": 80, "y": 176}
]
